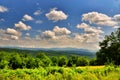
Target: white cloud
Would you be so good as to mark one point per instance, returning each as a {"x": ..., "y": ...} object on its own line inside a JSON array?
[
  {"x": 48, "y": 34},
  {"x": 3, "y": 9},
  {"x": 91, "y": 35},
  {"x": 26, "y": 17},
  {"x": 14, "y": 37},
  {"x": 117, "y": 17},
  {"x": 12, "y": 32},
  {"x": 56, "y": 33},
  {"x": 99, "y": 19},
  {"x": 9, "y": 34},
  {"x": 87, "y": 38},
  {"x": 20, "y": 25},
  {"x": 56, "y": 15},
  {"x": 61, "y": 31},
  {"x": 82, "y": 26},
  {"x": 90, "y": 29},
  {"x": 37, "y": 12}
]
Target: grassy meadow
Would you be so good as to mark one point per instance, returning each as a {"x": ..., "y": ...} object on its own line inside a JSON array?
[{"x": 62, "y": 73}]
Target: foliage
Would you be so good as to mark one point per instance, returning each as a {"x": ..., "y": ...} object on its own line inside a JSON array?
[
  {"x": 93, "y": 62},
  {"x": 110, "y": 49},
  {"x": 15, "y": 61},
  {"x": 54, "y": 60},
  {"x": 62, "y": 73},
  {"x": 73, "y": 60},
  {"x": 82, "y": 61},
  {"x": 62, "y": 61}
]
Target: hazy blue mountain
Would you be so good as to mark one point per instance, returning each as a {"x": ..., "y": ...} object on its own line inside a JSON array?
[{"x": 52, "y": 51}]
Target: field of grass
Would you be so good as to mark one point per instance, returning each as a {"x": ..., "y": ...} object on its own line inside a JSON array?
[{"x": 63, "y": 73}]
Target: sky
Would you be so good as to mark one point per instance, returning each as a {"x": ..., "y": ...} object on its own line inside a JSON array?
[{"x": 57, "y": 23}]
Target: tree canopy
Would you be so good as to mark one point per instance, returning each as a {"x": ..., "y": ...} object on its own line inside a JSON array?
[{"x": 110, "y": 49}]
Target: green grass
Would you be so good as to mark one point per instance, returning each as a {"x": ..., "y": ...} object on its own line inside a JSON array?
[{"x": 63, "y": 73}]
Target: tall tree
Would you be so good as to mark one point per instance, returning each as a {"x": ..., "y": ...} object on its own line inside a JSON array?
[{"x": 110, "y": 49}]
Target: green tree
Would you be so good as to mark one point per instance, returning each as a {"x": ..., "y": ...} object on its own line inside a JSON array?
[
  {"x": 46, "y": 61},
  {"x": 93, "y": 62},
  {"x": 72, "y": 60},
  {"x": 63, "y": 61},
  {"x": 41, "y": 56},
  {"x": 38, "y": 63},
  {"x": 110, "y": 49},
  {"x": 15, "y": 61},
  {"x": 82, "y": 61},
  {"x": 54, "y": 60},
  {"x": 30, "y": 63}
]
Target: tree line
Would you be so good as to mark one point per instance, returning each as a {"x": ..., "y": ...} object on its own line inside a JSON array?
[{"x": 16, "y": 60}]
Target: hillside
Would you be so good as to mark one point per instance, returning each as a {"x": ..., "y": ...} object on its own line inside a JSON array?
[{"x": 51, "y": 51}]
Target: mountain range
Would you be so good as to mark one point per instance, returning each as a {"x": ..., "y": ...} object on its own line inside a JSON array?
[{"x": 52, "y": 51}]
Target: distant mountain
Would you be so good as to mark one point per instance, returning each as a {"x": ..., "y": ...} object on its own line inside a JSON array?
[
  {"x": 57, "y": 49},
  {"x": 52, "y": 51}
]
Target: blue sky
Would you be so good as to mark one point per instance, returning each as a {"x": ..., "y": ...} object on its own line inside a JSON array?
[{"x": 57, "y": 23}]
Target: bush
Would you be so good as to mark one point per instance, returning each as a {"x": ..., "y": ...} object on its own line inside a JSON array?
[{"x": 82, "y": 62}]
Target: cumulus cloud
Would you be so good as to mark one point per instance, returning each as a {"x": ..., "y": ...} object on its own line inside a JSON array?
[
  {"x": 14, "y": 37},
  {"x": 87, "y": 38},
  {"x": 117, "y": 17},
  {"x": 37, "y": 12},
  {"x": 26, "y": 17},
  {"x": 56, "y": 15},
  {"x": 48, "y": 34},
  {"x": 3, "y": 9},
  {"x": 61, "y": 31},
  {"x": 12, "y": 32},
  {"x": 90, "y": 29},
  {"x": 56, "y": 33},
  {"x": 92, "y": 34},
  {"x": 20, "y": 25},
  {"x": 99, "y": 19},
  {"x": 82, "y": 26},
  {"x": 9, "y": 34}
]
